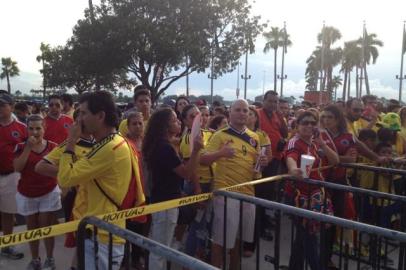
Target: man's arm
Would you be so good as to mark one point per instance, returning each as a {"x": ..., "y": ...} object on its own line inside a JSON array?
[{"x": 45, "y": 168}]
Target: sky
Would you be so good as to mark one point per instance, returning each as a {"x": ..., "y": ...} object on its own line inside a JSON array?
[{"x": 28, "y": 23}]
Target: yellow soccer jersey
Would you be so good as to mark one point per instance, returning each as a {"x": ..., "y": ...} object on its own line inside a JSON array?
[
  {"x": 240, "y": 168},
  {"x": 205, "y": 173},
  {"x": 111, "y": 164},
  {"x": 355, "y": 127},
  {"x": 81, "y": 149},
  {"x": 263, "y": 138}
]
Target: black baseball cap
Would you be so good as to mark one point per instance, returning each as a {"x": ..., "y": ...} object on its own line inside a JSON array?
[{"x": 6, "y": 98}]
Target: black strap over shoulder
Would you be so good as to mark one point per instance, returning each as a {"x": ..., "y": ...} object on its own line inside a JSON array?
[{"x": 105, "y": 194}]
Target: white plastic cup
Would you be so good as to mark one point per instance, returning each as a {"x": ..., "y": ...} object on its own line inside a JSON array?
[{"x": 306, "y": 164}]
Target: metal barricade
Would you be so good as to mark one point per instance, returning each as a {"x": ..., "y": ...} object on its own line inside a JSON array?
[
  {"x": 131, "y": 238},
  {"x": 300, "y": 251}
]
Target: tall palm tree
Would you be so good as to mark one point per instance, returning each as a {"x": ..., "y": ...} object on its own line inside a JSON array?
[
  {"x": 9, "y": 69},
  {"x": 274, "y": 40},
  {"x": 45, "y": 51},
  {"x": 351, "y": 58},
  {"x": 327, "y": 37},
  {"x": 371, "y": 44},
  {"x": 332, "y": 57},
  {"x": 335, "y": 83}
]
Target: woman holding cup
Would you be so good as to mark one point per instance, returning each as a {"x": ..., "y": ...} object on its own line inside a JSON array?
[{"x": 308, "y": 149}]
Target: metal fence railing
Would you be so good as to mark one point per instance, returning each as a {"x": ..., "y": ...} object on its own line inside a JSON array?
[
  {"x": 96, "y": 224},
  {"x": 298, "y": 250}
]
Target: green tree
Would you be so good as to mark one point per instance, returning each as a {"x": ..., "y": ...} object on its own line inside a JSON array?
[
  {"x": 371, "y": 53},
  {"x": 44, "y": 58},
  {"x": 276, "y": 38},
  {"x": 351, "y": 58},
  {"x": 331, "y": 58},
  {"x": 18, "y": 93},
  {"x": 9, "y": 69},
  {"x": 157, "y": 36},
  {"x": 335, "y": 83}
]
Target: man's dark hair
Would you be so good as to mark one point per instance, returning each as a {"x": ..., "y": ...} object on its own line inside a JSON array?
[
  {"x": 282, "y": 100},
  {"x": 257, "y": 104},
  {"x": 216, "y": 103},
  {"x": 54, "y": 97},
  {"x": 140, "y": 87},
  {"x": 349, "y": 102},
  {"x": 102, "y": 101},
  {"x": 141, "y": 92},
  {"x": 67, "y": 98},
  {"x": 366, "y": 133},
  {"x": 270, "y": 92},
  {"x": 21, "y": 106},
  {"x": 365, "y": 98}
]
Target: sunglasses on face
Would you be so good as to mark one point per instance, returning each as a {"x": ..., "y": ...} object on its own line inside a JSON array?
[
  {"x": 357, "y": 110},
  {"x": 306, "y": 123}
]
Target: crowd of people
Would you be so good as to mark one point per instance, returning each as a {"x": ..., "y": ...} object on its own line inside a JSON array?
[{"x": 89, "y": 158}]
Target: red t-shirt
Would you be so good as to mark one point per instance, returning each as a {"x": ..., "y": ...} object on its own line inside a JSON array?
[
  {"x": 295, "y": 148},
  {"x": 342, "y": 143},
  {"x": 56, "y": 130},
  {"x": 32, "y": 184},
  {"x": 10, "y": 136},
  {"x": 271, "y": 126}
]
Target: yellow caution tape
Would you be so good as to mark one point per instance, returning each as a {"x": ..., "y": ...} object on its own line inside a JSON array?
[{"x": 71, "y": 226}]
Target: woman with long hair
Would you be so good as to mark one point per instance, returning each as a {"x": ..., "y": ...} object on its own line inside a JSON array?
[
  {"x": 166, "y": 177},
  {"x": 201, "y": 183}
]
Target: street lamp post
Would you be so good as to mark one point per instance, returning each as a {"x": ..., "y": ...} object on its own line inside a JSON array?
[
  {"x": 246, "y": 77},
  {"x": 322, "y": 64},
  {"x": 283, "y": 76},
  {"x": 237, "y": 90},
  {"x": 402, "y": 77},
  {"x": 187, "y": 77}
]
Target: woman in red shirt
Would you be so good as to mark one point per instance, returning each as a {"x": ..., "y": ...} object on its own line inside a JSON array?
[
  {"x": 38, "y": 196},
  {"x": 307, "y": 142}
]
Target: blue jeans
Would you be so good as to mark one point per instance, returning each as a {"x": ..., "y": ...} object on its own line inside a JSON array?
[
  {"x": 102, "y": 256},
  {"x": 162, "y": 229}
]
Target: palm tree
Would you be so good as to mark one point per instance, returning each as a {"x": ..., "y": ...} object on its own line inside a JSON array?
[
  {"x": 331, "y": 57},
  {"x": 9, "y": 70},
  {"x": 351, "y": 58},
  {"x": 371, "y": 44},
  {"x": 335, "y": 83},
  {"x": 275, "y": 39},
  {"x": 45, "y": 52}
]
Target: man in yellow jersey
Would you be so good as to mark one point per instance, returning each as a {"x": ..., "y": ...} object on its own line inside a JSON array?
[
  {"x": 105, "y": 172},
  {"x": 235, "y": 150},
  {"x": 142, "y": 104},
  {"x": 74, "y": 199},
  {"x": 355, "y": 121}
]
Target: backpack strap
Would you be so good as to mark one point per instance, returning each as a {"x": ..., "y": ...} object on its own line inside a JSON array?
[{"x": 107, "y": 196}]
